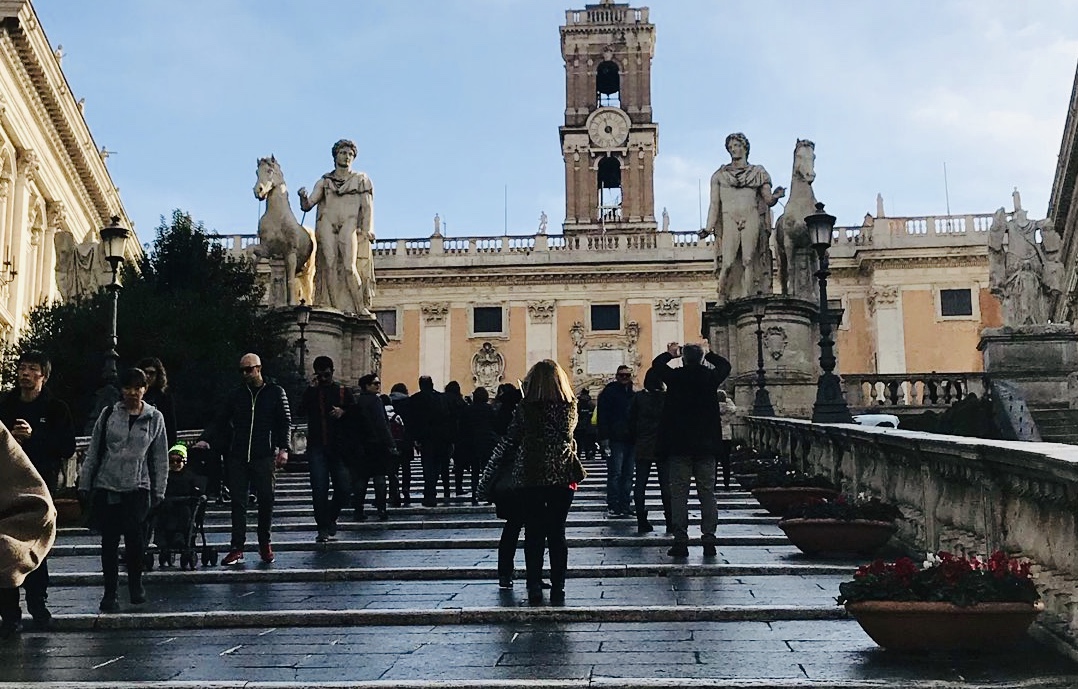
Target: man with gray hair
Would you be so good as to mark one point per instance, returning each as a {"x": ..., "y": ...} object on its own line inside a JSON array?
[{"x": 689, "y": 435}]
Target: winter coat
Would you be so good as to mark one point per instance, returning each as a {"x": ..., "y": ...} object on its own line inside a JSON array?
[
  {"x": 136, "y": 455},
  {"x": 429, "y": 419},
  {"x": 613, "y": 405},
  {"x": 477, "y": 435},
  {"x": 27, "y": 515},
  {"x": 52, "y": 437},
  {"x": 539, "y": 446},
  {"x": 322, "y": 429},
  {"x": 367, "y": 429},
  {"x": 691, "y": 410},
  {"x": 253, "y": 423}
]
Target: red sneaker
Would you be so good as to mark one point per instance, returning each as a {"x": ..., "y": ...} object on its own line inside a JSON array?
[
  {"x": 234, "y": 557},
  {"x": 265, "y": 551}
]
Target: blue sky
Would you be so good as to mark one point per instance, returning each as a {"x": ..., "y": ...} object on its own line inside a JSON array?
[{"x": 453, "y": 101}]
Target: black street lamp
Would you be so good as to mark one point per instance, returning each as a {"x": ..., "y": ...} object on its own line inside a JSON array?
[
  {"x": 113, "y": 238},
  {"x": 761, "y": 405},
  {"x": 830, "y": 406},
  {"x": 303, "y": 317}
]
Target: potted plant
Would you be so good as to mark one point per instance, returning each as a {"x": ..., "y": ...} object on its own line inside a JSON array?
[
  {"x": 842, "y": 524},
  {"x": 779, "y": 490},
  {"x": 947, "y": 602}
]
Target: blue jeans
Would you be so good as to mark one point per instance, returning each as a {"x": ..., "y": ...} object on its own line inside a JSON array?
[
  {"x": 324, "y": 466},
  {"x": 619, "y": 476}
]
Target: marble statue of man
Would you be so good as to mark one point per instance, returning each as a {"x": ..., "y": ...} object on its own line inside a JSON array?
[
  {"x": 343, "y": 232},
  {"x": 740, "y": 218},
  {"x": 542, "y": 222},
  {"x": 666, "y": 221},
  {"x": 1024, "y": 270}
]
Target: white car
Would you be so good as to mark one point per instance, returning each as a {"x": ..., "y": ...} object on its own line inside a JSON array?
[{"x": 884, "y": 420}]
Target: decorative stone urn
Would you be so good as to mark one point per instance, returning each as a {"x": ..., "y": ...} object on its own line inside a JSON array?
[
  {"x": 861, "y": 536},
  {"x": 932, "y": 626},
  {"x": 779, "y": 499}
]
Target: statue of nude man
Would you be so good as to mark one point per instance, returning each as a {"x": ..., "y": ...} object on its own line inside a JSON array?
[
  {"x": 740, "y": 218},
  {"x": 345, "y": 201}
]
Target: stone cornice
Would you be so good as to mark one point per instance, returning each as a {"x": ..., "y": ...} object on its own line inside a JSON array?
[
  {"x": 573, "y": 278},
  {"x": 47, "y": 94}
]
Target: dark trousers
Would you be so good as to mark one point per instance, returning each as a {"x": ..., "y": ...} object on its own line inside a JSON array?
[
  {"x": 323, "y": 466},
  {"x": 435, "y": 459},
  {"x": 643, "y": 472},
  {"x": 260, "y": 475},
  {"x": 359, "y": 491},
  {"x": 125, "y": 517},
  {"x": 507, "y": 545},
  {"x": 400, "y": 484},
  {"x": 36, "y": 585},
  {"x": 723, "y": 459},
  {"x": 545, "y": 510}
]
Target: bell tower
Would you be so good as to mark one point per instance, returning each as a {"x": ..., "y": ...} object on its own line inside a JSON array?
[{"x": 609, "y": 141}]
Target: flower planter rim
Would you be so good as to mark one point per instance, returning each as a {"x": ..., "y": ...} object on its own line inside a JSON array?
[
  {"x": 832, "y": 520},
  {"x": 985, "y": 607}
]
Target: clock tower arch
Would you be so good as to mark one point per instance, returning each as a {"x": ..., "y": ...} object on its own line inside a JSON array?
[{"x": 609, "y": 140}]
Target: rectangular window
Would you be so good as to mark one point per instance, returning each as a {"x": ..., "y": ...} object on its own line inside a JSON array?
[
  {"x": 388, "y": 320},
  {"x": 956, "y": 302},
  {"x": 605, "y": 317},
  {"x": 486, "y": 319}
]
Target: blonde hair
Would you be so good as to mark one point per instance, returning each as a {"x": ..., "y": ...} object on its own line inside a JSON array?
[{"x": 547, "y": 381}]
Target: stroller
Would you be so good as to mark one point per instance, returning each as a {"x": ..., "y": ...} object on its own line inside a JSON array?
[{"x": 175, "y": 526}]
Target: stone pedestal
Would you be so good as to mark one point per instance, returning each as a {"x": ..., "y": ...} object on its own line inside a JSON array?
[
  {"x": 1042, "y": 360},
  {"x": 354, "y": 342},
  {"x": 791, "y": 352}
]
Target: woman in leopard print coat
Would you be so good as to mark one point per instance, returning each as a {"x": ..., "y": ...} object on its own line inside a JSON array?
[{"x": 539, "y": 453}]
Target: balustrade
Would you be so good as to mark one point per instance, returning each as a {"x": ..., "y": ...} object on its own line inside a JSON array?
[{"x": 882, "y": 390}]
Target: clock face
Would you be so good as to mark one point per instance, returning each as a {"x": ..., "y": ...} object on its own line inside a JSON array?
[{"x": 608, "y": 128}]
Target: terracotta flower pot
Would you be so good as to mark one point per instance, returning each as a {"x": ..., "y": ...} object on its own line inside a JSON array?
[
  {"x": 924, "y": 626},
  {"x": 68, "y": 512},
  {"x": 778, "y": 500},
  {"x": 861, "y": 536}
]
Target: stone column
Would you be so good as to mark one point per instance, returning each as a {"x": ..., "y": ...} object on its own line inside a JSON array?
[
  {"x": 885, "y": 306},
  {"x": 25, "y": 172}
]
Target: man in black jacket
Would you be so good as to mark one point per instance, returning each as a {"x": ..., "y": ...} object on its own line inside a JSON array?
[
  {"x": 324, "y": 404},
  {"x": 689, "y": 433},
  {"x": 42, "y": 425},
  {"x": 429, "y": 426},
  {"x": 254, "y": 429},
  {"x": 368, "y": 424}
]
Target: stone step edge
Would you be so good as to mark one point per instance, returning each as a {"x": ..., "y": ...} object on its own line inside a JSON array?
[
  {"x": 372, "y": 524},
  {"x": 217, "y": 619},
  {"x": 455, "y": 544},
  {"x": 220, "y": 574},
  {"x": 1057, "y": 682}
]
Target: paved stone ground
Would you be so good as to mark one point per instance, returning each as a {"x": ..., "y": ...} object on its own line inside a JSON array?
[{"x": 413, "y": 602}]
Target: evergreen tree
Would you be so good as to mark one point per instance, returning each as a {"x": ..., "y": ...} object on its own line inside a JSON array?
[{"x": 188, "y": 302}]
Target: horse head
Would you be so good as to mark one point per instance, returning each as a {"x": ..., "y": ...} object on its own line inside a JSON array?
[
  {"x": 268, "y": 176},
  {"x": 805, "y": 161}
]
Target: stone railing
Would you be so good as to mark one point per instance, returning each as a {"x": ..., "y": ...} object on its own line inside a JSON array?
[
  {"x": 961, "y": 494},
  {"x": 237, "y": 243},
  {"x": 888, "y": 390}
]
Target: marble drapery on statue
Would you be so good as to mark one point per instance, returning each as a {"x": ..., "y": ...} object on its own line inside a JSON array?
[
  {"x": 739, "y": 216},
  {"x": 344, "y": 231},
  {"x": 81, "y": 268},
  {"x": 1024, "y": 269}
]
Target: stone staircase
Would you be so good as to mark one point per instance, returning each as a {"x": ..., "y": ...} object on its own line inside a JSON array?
[
  {"x": 1057, "y": 425},
  {"x": 413, "y": 602}
]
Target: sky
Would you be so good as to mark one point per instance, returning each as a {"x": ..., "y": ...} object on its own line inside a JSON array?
[{"x": 455, "y": 104}]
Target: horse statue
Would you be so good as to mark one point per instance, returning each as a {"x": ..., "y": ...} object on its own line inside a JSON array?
[
  {"x": 280, "y": 235},
  {"x": 791, "y": 232}
]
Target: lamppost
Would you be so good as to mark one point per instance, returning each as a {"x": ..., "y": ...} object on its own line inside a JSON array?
[
  {"x": 303, "y": 317},
  {"x": 830, "y": 406},
  {"x": 761, "y": 405},
  {"x": 113, "y": 238}
]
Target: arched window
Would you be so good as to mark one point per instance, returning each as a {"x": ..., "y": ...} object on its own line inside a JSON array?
[
  {"x": 608, "y": 85},
  {"x": 609, "y": 184}
]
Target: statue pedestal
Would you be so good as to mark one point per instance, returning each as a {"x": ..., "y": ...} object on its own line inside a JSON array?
[
  {"x": 791, "y": 352},
  {"x": 354, "y": 342},
  {"x": 1042, "y": 360}
]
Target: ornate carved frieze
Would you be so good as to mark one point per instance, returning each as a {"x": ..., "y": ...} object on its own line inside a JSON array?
[
  {"x": 56, "y": 214},
  {"x": 541, "y": 311},
  {"x": 576, "y": 359},
  {"x": 775, "y": 340},
  {"x": 667, "y": 309},
  {"x": 434, "y": 313},
  {"x": 376, "y": 358},
  {"x": 26, "y": 164},
  {"x": 881, "y": 296},
  {"x": 632, "y": 332},
  {"x": 488, "y": 367}
]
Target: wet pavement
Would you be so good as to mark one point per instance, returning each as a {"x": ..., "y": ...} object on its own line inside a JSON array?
[{"x": 413, "y": 602}]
